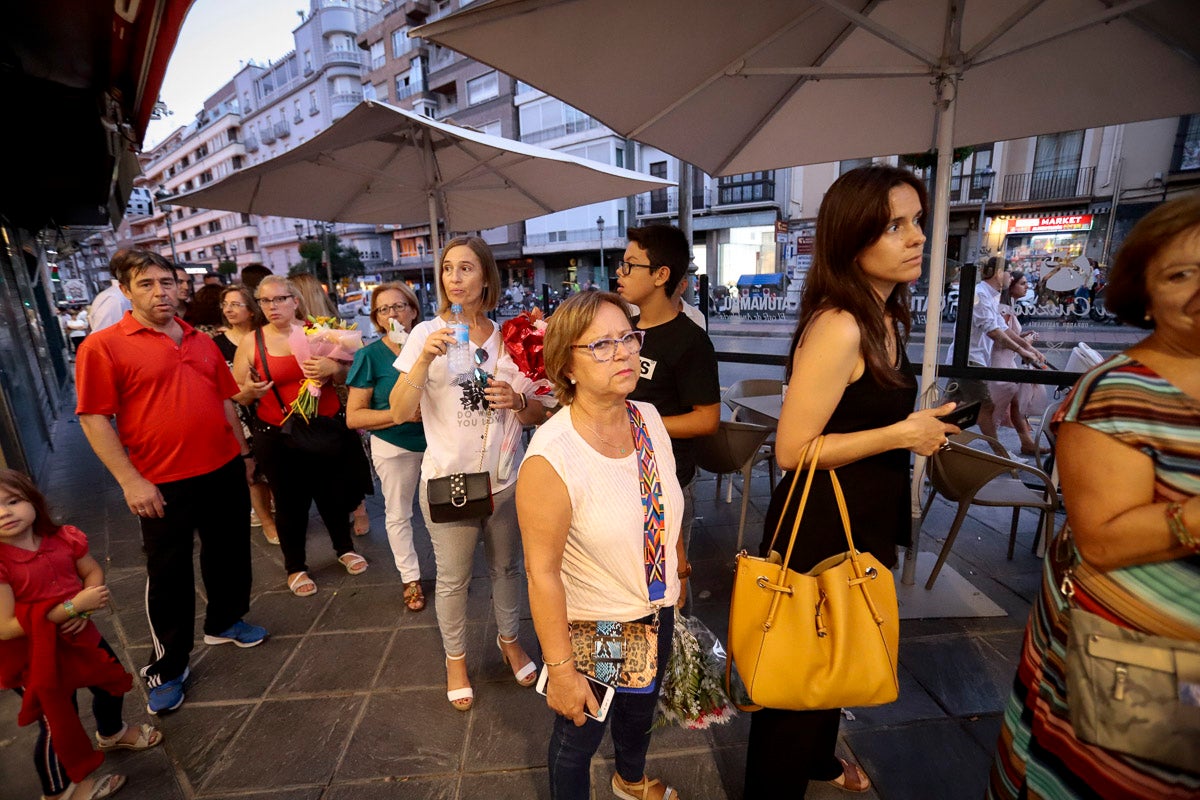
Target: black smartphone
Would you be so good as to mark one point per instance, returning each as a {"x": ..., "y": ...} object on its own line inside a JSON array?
[{"x": 964, "y": 415}]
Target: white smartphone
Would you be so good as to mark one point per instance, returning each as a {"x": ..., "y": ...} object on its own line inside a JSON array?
[{"x": 601, "y": 691}]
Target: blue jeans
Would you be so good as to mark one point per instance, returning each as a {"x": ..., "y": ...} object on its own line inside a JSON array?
[{"x": 572, "y": 748}]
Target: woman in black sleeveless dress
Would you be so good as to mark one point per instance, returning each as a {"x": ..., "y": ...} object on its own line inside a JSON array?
[{"x": 850, "y": 380}]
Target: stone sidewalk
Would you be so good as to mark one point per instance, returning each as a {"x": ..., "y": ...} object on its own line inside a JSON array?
[{"x": 347, "y": 698}]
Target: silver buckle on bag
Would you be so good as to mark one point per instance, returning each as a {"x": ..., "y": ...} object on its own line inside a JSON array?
[{"x": 458, "y": 490}]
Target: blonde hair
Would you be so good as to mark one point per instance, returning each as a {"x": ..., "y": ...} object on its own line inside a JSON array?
[
  {"x": 394, "y": 286},
  {"x": 316, "y": 301},
  {"x": 491, "y": 273},
  {"x": 289, "y": 286},
  {"x": 567, "y": 324}
]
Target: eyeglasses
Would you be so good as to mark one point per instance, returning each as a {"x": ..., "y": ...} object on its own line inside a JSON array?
[
  {"x": 387, "y": 311},
  {"x": 480, "y": 374},
  {"x": 624, "y": 268},
  {"x": 232, "y": 304},
  {"x": 274, "y": 301},
  {"x": 606, "y": 349}
]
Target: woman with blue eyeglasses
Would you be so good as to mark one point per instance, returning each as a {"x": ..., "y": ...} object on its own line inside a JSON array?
[
  {"x": 472, "y": 423},
  {"x": 600, "y": 509}
]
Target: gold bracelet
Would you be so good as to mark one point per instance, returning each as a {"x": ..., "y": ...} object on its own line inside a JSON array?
[
  {"x": 421, "y": 388},
  {"x": 1178, "y": 527},
  {"x": 524, "y": 402},
  {"x": 559, "y": 663}
]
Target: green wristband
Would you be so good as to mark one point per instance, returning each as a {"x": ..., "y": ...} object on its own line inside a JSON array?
[{"x": 69, "y": 607}]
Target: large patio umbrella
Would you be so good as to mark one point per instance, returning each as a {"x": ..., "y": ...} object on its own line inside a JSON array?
[
  {"x": 386, "y": 165},
  {"x": 755, "y": 85}
]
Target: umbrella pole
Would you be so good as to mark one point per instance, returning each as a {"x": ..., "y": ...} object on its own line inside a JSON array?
[
  {"x": 434, "y": 248},
  {"x": 947, "y": 96}
]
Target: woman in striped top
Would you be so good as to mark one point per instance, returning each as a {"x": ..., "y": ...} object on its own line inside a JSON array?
[{"x": 1129, "y": 455}]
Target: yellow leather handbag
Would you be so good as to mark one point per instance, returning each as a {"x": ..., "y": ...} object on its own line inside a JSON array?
[{"x": 826, "y": 638}]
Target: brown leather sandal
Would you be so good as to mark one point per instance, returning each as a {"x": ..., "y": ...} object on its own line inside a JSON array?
[
  {"x": 645, "y": 789},
  {"x": 414, "y": 598},
  {"x": 852, "y": 779}
]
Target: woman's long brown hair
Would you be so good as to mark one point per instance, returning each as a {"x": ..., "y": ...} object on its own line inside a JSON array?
[{"x": 854, "y": 214}]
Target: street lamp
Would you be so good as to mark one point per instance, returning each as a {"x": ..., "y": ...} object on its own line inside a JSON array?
[
  {"x": 603, "y": 275},
  {"x": 323, "y": 231},
  {"x": 983, "y": 179},
  {"x": 162, "y": 196}
]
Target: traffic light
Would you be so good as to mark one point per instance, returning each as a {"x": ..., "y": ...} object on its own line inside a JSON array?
[{"x": 54, "y": 272}]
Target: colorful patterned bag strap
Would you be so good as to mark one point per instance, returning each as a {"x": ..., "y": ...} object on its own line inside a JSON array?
[{"x": 652, "y": 505}]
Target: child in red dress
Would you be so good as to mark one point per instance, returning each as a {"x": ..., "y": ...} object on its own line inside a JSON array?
[{"x": 49, "y": 586}]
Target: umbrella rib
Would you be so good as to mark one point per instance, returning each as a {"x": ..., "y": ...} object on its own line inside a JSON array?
[
  {"x": 797, "y": 86},
  {"x": 1001, "y": 29},
  {"x": 734, "y": 67},
  {"x": 833, "y": 73},
  {"x": 883, "y": 32},
  {"x": 486, "y": 166},
  {"x": 1099, "y": 18}
]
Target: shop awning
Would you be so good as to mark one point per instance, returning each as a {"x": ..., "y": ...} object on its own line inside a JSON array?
[{"x": 773, "y": 279}]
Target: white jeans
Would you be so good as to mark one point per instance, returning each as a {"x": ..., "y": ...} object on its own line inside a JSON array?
[
  {"x": 399, "y": 473},
  {"x": 454, "y": 546}
]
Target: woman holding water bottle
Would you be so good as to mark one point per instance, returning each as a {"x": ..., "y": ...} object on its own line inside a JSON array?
[{"x": 473, "y": 415}]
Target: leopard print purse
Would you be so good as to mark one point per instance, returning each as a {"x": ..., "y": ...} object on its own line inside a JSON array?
[{"x": 621, "y": 654}]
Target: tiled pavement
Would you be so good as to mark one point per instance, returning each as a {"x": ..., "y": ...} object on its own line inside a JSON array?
[{"x": 347, "y": 698}]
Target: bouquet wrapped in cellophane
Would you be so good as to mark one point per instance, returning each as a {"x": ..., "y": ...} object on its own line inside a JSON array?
[
  {"x": 693, "y": 693},
  {"x": 321, "y": 337},
  {"x": 523, "y": 337}
]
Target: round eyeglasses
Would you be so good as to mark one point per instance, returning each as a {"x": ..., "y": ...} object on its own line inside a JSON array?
[{"x": 606, "y": 349}]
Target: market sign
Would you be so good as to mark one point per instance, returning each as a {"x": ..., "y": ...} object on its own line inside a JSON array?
[{"x": 1054, "y": 224}]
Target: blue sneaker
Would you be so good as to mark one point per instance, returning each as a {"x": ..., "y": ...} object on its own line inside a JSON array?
[
  {"x": 168, "y": 695},
  {"x": 241, "y": 633}
]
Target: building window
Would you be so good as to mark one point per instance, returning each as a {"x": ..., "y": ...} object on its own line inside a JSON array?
[
  {"x": 202, "y": 151},
  {"x": 237, "y": 162},
  {"x": 981, "y": 161},
  {"x": 485, "y": 87},
  {"x": 749, "y": 187},
  {"x": 245, "y": 219},
  {"x": 214, "y": 226},
  {"x": 249, "y": 243},
  {"x": 852, "y": 163},
  {"x": 313, "y": 108},
  {"x": 1056, "y": 165},
  {"x": 378, "y": 56},
  {"x": 1187, "y": 145},
  {"x": 620, "y": 157},
  {"x": 206, "y": 177},
  {"x": 233, "y": 135},
  {"x": 401, "y": 44},
  {"x": 493, "y": 128},
  {"x": 308, "y": 62},
  {"x": 368, "y": 90},
  {"x": 658, "y": 197}
]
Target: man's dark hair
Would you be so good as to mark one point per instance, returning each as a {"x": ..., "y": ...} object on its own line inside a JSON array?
[
  {"x": 252, "y": 274},
  {"x": 127, "y": 264},
  {"x": 665, "y": 246}
]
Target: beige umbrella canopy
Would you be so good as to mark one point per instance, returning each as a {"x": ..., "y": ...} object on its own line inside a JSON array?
[
  {"x": 736, "y": 87},
  {"x": 385, "y": 165}
]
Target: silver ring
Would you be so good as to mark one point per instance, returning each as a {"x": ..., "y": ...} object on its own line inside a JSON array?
[{"x": 945, "y": 445}]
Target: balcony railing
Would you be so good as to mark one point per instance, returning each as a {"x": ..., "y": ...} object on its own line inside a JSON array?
[
  {"x": 268, "y": 135},
  {"x": 558, "y": 131},
  {"x": 251, "y": 143},
  {"x": 283, "y": 129},
  {"x": 345, "y": 98},
  {"x": 404, "y": 92},
  {"x": 666, "y": 201},
  {"x": 1059, "y": 184},
  {"x": 612, "y": 240},
  {"x": 344, "y": 56}
]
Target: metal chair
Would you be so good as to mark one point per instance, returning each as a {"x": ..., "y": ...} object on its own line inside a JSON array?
[
  {"x": 735, "y": 447},
  {"x": 752, "y": 387},
  {"x": 968, "y": 476},
  {"x": 1045, "y": 461}
]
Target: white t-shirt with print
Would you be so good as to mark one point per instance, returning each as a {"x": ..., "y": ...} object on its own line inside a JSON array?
[{"x": 454, "y": 417}]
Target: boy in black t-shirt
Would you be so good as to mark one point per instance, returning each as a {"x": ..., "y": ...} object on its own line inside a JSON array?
[{"x": 678, "y": 364}]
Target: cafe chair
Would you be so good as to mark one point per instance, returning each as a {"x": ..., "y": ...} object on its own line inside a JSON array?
[
  {"x": 735, "y": 447},
  {"x": 1045, "y": 461},
  {"x": 752, "y": 387},
  {"x": 969, "y": 476}
]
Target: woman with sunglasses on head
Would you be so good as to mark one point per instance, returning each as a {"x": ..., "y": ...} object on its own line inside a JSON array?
[
  {"x": 849, "y": 380},
  {"x": 298, "y": 477},
  {"x": 472, "y": 424},
  {"x": 396, "y": 450},
  {"x": 594, "y": 476},
  {"x": 243, "y": 316}
]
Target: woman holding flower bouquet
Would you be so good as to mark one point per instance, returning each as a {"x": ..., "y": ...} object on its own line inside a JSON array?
[
  {"x": 600, "y": 510},
  {"x": 297, "y": 476},
  {"x": 396, "y": 450},
  {"x": 473, "y": 424}
]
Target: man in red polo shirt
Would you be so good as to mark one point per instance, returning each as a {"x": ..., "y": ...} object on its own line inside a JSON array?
[{"x": 152, "y": 371}]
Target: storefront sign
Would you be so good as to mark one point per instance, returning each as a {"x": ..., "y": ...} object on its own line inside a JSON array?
[{"x": 1054, "y": 224}]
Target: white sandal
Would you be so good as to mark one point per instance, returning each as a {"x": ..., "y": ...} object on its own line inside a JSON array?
[
  {"x": 460, "y": 699},
  {"x": 148, "y": 736}
]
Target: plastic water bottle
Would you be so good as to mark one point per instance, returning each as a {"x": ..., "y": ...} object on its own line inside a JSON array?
[{"x": 458, "y": 357}]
